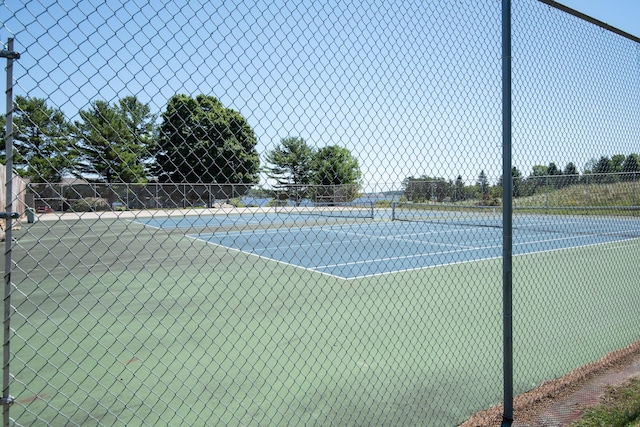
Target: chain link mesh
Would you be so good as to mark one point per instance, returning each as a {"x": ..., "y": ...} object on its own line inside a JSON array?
[
  {"x": 575, "y": 115},
  {"x": 289, "y": 213}
]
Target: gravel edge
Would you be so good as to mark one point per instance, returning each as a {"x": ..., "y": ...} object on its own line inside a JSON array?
[{"x": 529, "y": 406}]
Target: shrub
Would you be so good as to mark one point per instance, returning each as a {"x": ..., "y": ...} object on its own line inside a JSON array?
[
  {"x": 89, "y": 204},
  {"x": 380, "y": 204},
  {"x": 237, "y": 202}
]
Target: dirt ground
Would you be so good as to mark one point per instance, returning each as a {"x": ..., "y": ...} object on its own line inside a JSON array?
[{"x": 562, "y": 401}]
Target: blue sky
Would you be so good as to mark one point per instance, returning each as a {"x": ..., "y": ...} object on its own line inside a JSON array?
[
  {"x": 410, "y": 88},
  {"x": 576, "y": 86},
  {"x": 622, "y": 14}
]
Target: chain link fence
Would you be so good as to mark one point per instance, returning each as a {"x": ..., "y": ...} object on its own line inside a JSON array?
[{"x": 274, "y": 213}]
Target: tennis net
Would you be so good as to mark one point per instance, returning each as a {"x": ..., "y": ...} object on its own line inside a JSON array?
[
  {"x": 596, "y": 220},
  {"x": 364, "y": 210}
]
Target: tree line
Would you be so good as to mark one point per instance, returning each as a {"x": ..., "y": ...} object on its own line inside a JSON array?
[
  {"x": 602, "y": 171},
  {"x": 197, "y": 140}
]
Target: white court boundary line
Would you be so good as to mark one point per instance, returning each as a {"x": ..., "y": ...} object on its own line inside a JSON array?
[
  {"x": 229, "y": 248},
  {"x": 428, "y": 267},
  {"x": 318, "y": 269}
]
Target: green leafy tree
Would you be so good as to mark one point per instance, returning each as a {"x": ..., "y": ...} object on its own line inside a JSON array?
[
  {"x": 538, "y": 178},
  {"x": 601, "y": 170},
  {"x": 201, "y": 141},
  {"x": 107, "y": 144},
  {"x": 516, "y": 181},
  {"x": 589, "y": 166},
  {"x": 570, "y": 169},
  {"x": 427, "y": 188},
  {"x": 291, "y": 167},
  {"x": 554, "y": 177},
  {"x": 458, "y": 189},
  {"x": 617, "y": 160},
  {"x": 603, "y": 165},
  {"x": 540, "y": 170},
  {"x": 483, "y": 185},
  {"x": 417, "y": 189},
  {"x": 631, "y": 167},
  {"x": 335, "y": 174},
  {"x": 42, "y": 141},
  {"x": 471, "y": 192},
  {"x": 141, "y": 124},
  {"x": 571, "y": 175}
]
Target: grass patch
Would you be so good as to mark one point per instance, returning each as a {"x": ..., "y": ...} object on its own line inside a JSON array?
[
  {"x": 623, "y": 193},
  {"x": 619, "y": 408}
]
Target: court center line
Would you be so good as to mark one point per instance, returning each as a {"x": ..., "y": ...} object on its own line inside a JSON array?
[{"x": 402, "y": 238}]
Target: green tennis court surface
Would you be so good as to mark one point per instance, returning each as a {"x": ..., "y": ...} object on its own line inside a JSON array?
[{"x": 185, "y": 332}]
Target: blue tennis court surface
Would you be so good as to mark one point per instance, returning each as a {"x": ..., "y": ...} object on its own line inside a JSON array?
[{"x": 362, "y": 249}]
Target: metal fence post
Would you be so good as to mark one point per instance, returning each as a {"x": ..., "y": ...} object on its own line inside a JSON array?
[
  {"x": 507, "y": 201},
  {"x": 7, "y": 400},
  {"x": 586, "y": 195},
  {"x": 546, "y": 191},
  {"x": 634, "y": 203}
]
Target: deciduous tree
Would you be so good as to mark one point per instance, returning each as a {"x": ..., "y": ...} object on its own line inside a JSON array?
[
  {"x": 336, "y": 174},
  {"x": 631, "y": 167},
  {"x": 201, "y": 141}
]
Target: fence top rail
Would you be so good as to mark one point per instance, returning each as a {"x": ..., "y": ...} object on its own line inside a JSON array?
[{"x": 592, "y": 20}]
